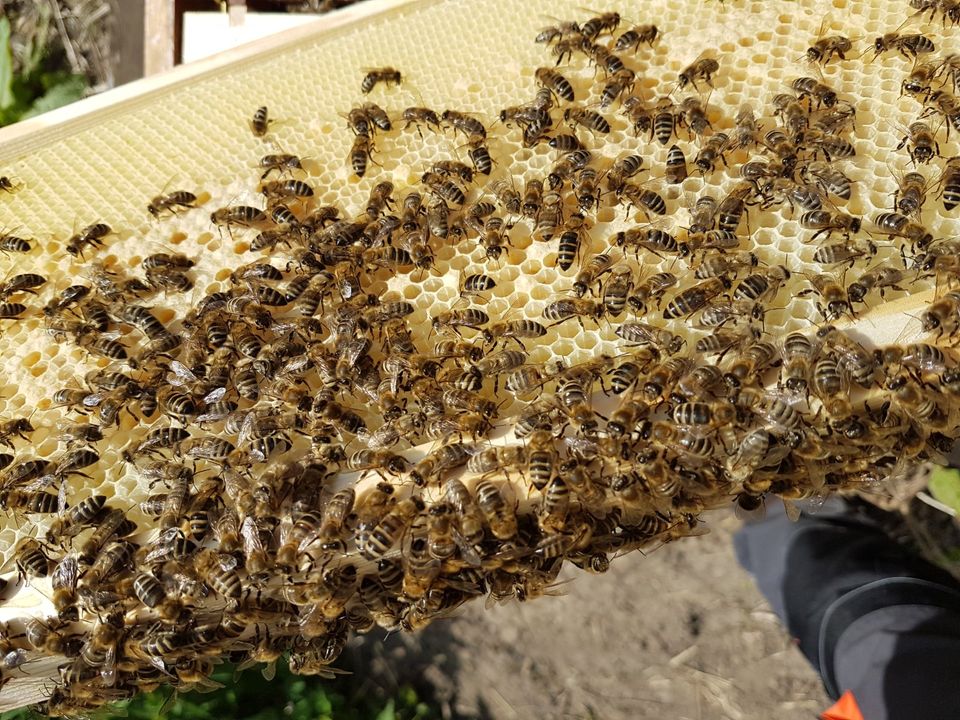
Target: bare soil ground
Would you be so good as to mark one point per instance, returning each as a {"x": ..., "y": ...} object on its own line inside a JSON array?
[{"x": 681, "y": 633}]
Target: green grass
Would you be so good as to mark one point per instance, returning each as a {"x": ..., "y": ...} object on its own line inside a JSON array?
[{"x": 287, "y": 697}]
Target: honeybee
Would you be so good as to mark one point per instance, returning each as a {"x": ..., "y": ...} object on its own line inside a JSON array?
[
  {"x": 420, "y": 116},
  {"x": 76, "y": 517},
  {"x": 278, "y": 190},
  {"x": 516, "y": 330},
  {"x": 91, "y": 235},
  {"x": 335, "y": 514},
  {"x": 775, "y": 410},
  {"x": 11, "y": 243},
  {"x": 746, "y": 130},
  {"x": 950, "y": 183},
  {"x": 783, "y": 189},
  {"x": 254, "y": 551},
  {"x": 8, "y": 185},
  {"x": 443, "y": 188},
  {"x": 920, "y": 79},
  {"x": 897, "y": 225},
  {"x": 561, "y": 310},
  {"x": 712, "y": 151},
  {"x": 878, "y": 278},
  {"x": 946, "y": 105},
  {"x": 389, "y": 530},
  {"x": 114, "y": 523},
  {"x": 847, "y": 252},
  {"x": 171, "y": 202},
  {"x": 826, "y": 222},
  {"x": 616, "y": 290},
  {"x": 585, "y": 187},
  {"x": 835, "y": 299},
  {"x": 943, "y": 314},
  {"x": 361, "y": 152},
  {"x": 469, "y": 519},
  {"x": 217, "y": 571},
  {"x": 638, "y": 113},
  {"x": 829, "y": 382},
  {"x": 917, "y": 403},
  {"x": 675, "y": 170},
  {"x": 599, "y": 24},
  {"x": 696, "y": 297},
  {"x": 462, "y": 122},
  {"x": 555, "y": 82},
  {"x": 279, "y": 162},
  {"x": 238, "y": 216},
  {"x": 911, "y": 194},
  {"x": 829, "y": 179},
  {"x": 720, "y": 265},
  {"x": 858, "y": 362},
  {"x": 645, "y": 200},
  {"x": 589, "y": 119},
  {"x": 554, "y": 33},
  {"x": 825, "y": 48},
  {"x": 507, "y": 196},
  {"x": 473, "y": 318},
  {"x": 761, "y": 286},
  {"x": 702, "y": 68},
  {"x": 909, "y": 45},
  {"x": 620, "y": 83},
  {"x": 378, "y": 116},
  {"x": 571, "y": 163},
  {"x": 440, "y": 461},
  {"x": 531, "y": 201},
  {"x": 480, "y": 156},
  {"x": 640, "y": 333},
  {"x": 636, "y": 35},
  {"x": 569, "y": 247},
  {"x": 374, "y": 76},
  {"x": 260, "y": 122},
  {"x": 808, "y": 87},
  {"x": 453, "y": 168},
  {"x": 923, "y": 146}
]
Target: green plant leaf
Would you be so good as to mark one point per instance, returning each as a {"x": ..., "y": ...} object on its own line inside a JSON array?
[
  {"x": 388, "y": 712},
  {"x": 68, "y": 90},
  {"x": 6, "y": 66},
  {"x": 945, "y": 486}
]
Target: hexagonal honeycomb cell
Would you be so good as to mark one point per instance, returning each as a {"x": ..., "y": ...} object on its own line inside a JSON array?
[{"x": 195, "y": 135}]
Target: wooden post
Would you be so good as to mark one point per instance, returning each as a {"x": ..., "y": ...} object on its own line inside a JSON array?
[
  {"x": 158, "y": 36},
  {"x": 129, "y": 41},
  {"x": 238, "y": 12}
]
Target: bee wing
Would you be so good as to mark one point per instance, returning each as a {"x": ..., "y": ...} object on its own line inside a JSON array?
[
  {"x": 215, "y": 396},
  {"x": 469, "y": 554},
  {"x": 164, "y": 546},
  {"x": 64, "y": 575},
  {"x": 94, "y": 399},
  {"x": 227, "y": 562},
  {"x": 41, "y": 483},
  {"x": 247, "y": 428},
  {"x": 250, "y": 534},
  {"x": 182, "y": 372},
  {"x": 62, "y": 499}
]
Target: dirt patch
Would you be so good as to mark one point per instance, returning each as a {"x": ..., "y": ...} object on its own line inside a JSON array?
[{"x": 679, "y": 633}]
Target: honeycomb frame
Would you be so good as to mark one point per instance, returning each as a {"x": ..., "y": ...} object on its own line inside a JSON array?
[{"x": 93, "y": 168}]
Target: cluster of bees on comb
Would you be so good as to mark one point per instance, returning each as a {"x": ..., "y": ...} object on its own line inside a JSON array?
[{"x": 317, "y": 466}]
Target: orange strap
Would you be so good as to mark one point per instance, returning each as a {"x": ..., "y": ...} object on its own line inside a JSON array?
[{"x": 844, "y": 709}]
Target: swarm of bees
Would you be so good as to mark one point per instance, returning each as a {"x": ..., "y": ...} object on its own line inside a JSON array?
[{"x": 316, "y": 465}]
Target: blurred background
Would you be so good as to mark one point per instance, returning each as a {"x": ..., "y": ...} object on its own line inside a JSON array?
[{"x": 679, "y": 632}]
